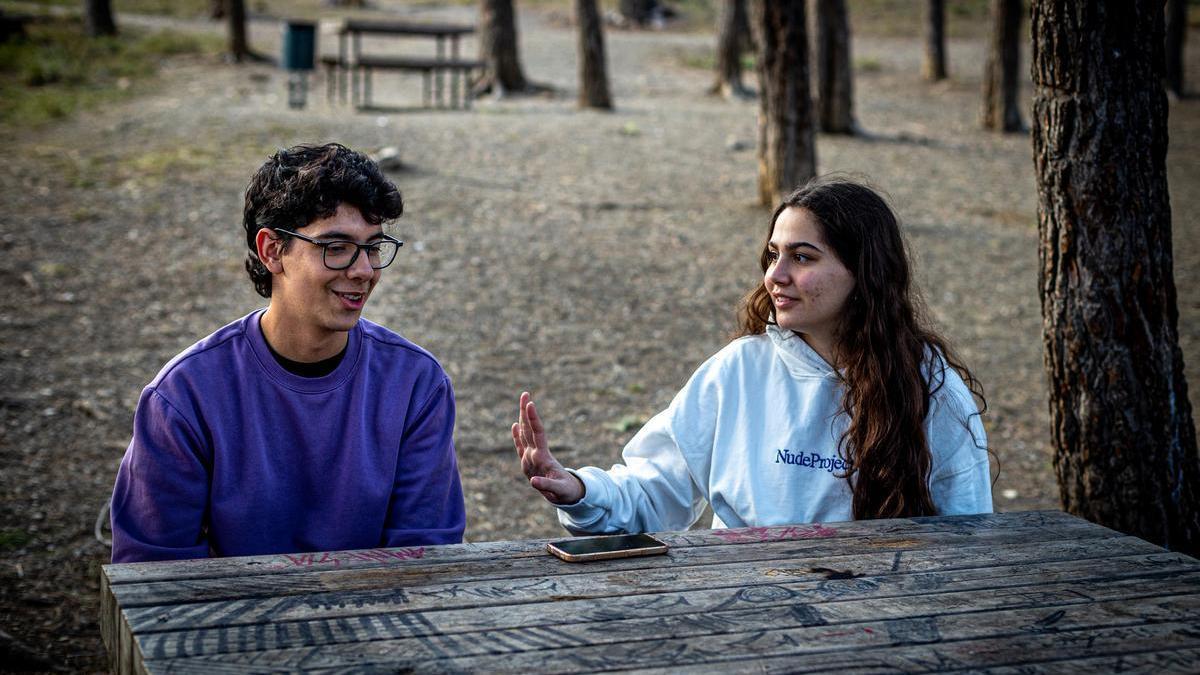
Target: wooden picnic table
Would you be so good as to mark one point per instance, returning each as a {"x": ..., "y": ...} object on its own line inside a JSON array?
[
  {"x": 1015, "y": 592},
  {"x": 354, "y": 67}
]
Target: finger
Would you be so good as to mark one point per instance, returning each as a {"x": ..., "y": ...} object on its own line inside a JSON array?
[
  {"x": 516, "y": 436},
  {"x": 560, "y": 488},
  {"x": 522, "y": 402},
  {"x": 535, "y": 422},
  {"x": 523, "y": 419},
  {"x": 537, "y": 430}
]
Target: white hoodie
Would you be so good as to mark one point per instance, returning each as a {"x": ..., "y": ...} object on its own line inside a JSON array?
[{"x": 754, "y": 433}]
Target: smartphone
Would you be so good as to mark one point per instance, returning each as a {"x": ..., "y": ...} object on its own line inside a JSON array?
[{"x": 582, "y": 549}]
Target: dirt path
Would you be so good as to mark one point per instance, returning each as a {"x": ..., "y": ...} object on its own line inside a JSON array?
[{"x": 594, "y": 258}]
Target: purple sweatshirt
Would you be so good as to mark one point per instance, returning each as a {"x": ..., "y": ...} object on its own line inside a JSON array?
[{"x": 233, "y": 455}]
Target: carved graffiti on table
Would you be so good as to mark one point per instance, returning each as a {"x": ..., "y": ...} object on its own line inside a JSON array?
[
  {"x": 749, "y": 535},
  {"x": 337, "y": 558}
]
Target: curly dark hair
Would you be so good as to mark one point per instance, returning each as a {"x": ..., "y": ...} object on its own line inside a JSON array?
[
  {"x": 307, "y": 182},
  {"x": 892, "y": 360}
]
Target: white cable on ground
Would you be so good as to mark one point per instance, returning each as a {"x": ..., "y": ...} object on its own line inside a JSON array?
[{"x": 101, "y": 521}]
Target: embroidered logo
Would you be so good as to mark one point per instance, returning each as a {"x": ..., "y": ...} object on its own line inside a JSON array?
[{"x": 811, "y": 460}]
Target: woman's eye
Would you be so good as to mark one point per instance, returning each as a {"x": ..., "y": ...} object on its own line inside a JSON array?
[
  {"x": 800, "y": 257},
  {"x": 772, "y": 256}
]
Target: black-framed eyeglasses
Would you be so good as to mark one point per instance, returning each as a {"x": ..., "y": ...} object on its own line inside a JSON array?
[{"x": 338, "y": 254}]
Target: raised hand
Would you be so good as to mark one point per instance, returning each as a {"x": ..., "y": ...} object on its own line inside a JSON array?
[{"x": 545, "y": 474}]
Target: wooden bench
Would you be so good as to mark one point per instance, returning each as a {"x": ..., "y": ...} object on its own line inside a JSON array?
[
  {"x": 351, "y": 68},
  {"x": 429, "y": 68}
]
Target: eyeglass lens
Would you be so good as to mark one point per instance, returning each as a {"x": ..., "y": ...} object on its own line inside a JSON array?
[{"x": 342, "y": 254}]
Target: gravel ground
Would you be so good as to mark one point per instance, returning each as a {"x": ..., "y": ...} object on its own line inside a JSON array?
[{"x": 594, "y": 258}]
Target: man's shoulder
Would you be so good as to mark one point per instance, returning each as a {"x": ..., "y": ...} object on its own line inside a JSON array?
[
  {"x": 388, "y": 344},
  {"x": 211, "y": 354}
]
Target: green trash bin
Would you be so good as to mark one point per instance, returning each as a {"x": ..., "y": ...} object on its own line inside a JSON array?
[
  {"x": 299, "y": 52},
  {"x": 299, "y": 45}
]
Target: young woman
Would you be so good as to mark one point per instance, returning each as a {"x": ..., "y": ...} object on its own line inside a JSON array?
[{"x": 836, "y": 402}]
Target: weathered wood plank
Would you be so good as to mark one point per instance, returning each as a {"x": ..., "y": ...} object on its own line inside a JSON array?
[
  {"x": 716, "y": 639},
  {"x": 1144, "y": 663},
  {"x": 108, "y": 621},
  {"x": 132, "y": 595},
  {"x": 602, "y": 583},
  {"x": 763, "y": 611},
  {"x": 426, "y": 556},
  {"x": 786, "y": 592},
  {"x": 1085, "y": 651},
  {"x": 127, "y": 648}
]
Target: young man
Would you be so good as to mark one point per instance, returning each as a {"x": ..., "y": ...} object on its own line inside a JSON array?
[{"x": 301, "y": 427}]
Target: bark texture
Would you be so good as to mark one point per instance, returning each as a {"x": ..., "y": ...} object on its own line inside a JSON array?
[
  {"x": 498, "y": 48},
  {"x": 1001, "y": 75},
  {"x": 733, "y": 40},
  {"x": 835, "y": 79},
  {"x": 99, "y": 18},
  {"x": 1176, "y": 36},
  {"x": 787, "y": 152},
  {"x": 934, "y": 67},
  {"x": 593, "y": 73},
  {"x": 1124, "y": 438}
]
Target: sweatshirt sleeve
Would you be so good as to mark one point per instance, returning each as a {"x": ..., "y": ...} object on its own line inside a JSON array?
[
  {"x": 427, "y": 499},
  {"x": 160, "y": 500},
  {"x": 661, "y": 484},
  {"x": 960, "y": 482}
]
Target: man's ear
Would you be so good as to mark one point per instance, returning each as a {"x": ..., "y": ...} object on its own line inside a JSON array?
[{"x": 270, "y": 250}]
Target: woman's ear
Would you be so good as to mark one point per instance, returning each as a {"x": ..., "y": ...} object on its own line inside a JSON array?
[{"x": 270, "y": 250}]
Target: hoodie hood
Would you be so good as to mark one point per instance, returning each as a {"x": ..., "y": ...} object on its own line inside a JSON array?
[{"x": 800, "y": 359}]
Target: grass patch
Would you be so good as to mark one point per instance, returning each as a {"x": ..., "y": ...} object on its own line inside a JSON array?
[
  {"x": 11, "y": 540},
  {"x": 183, "y": 8},
  {"x": 627, "y": 423},
  {"x": 56, "y": 70},
  {"x": 905, "y": 18},
  {"x": 705, "y": 58},
  {"x": 867, "y": 64}
]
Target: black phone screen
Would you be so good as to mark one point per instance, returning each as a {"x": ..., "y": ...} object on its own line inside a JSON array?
[{"x": 607, "y": 544}]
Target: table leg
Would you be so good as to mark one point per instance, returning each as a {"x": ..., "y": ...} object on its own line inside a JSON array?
[
  {"x": 343, "y": 68},
  {"x": 454, "y": 72},
  {"x": 441, "y": 56}
]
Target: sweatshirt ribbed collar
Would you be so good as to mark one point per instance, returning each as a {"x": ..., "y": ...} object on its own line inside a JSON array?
[{"x": 308, "y": 385}]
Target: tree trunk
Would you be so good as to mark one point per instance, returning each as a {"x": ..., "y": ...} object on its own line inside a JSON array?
[
  {"x": 835, "y": 81},
  {"x": 1124, "y": 438},
  {"x": 99, "y": 18},
  {"x": 733, "y": 40},
  {"x": 498, "y": 48},
  {"x": 1001, "y": 74},
  {"x": 787, "y": 153},
  {"x": 235, "y": 12},
  {"x": 593, "y": 75},
  {"x": 216, "y": 9},
  {"x": 934, "y": 68},
  {"x": 1176, "y": 36}
]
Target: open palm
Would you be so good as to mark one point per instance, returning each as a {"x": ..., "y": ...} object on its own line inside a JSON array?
[{"x": 545, "y": 474}]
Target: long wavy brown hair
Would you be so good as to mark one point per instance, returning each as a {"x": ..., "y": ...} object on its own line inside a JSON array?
[{"x": 891, "y": 361}]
